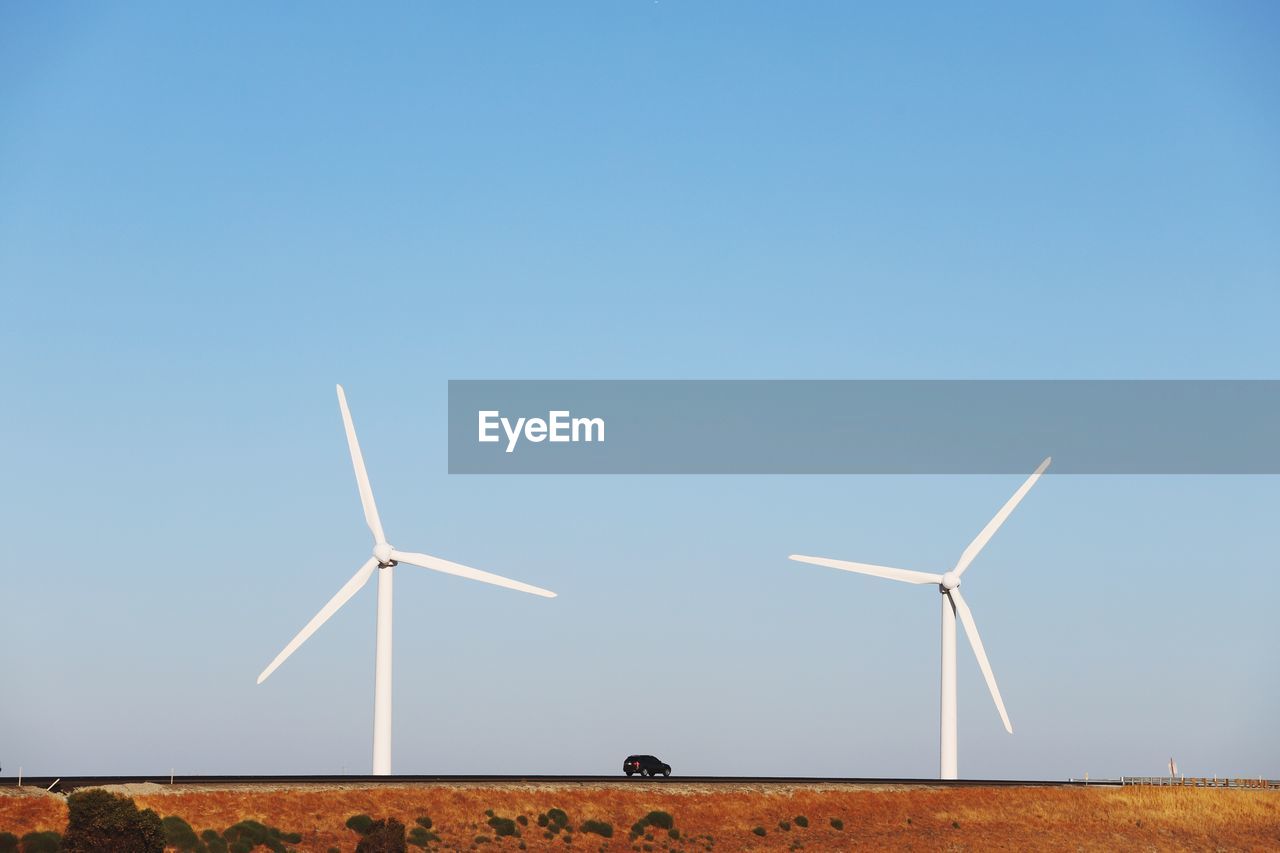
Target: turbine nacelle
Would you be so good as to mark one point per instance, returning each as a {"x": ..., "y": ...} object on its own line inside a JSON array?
[
  {"x": 950, "y": 581},
  {"x": 382, "y": 553}
]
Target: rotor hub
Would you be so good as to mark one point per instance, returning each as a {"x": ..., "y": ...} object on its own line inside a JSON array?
[
  {"x": 950, "y": 581},
  {"x": 382, "y": 553}
]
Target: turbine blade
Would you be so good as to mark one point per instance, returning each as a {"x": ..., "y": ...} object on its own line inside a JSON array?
[
  {"x": 971, "y": 631},
  {"x": 362, "y": 476},
  {"x": 905, "y": 575},
  {"x": 350, "y": 588},
  {"x": 981, "y": 540},
  {"x": 426, "y": 561}
]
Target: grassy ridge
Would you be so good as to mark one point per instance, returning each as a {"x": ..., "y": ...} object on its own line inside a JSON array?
[{"x": 731, "y": 819}]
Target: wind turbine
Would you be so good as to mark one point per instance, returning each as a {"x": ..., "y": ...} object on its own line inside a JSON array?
[
  {"x": 384, "y": 560},
  {"x": 952, "y": 604}
]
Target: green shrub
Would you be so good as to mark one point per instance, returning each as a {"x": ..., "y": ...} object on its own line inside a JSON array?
[
  {"x": 481, "y": 839},
  {"x": 213, "y": 842},
  {"x": 361, "y": 824},
  {"x": 543, "y": 820},
  {"x": 503, "y": 826},
  {"x": 424, "y": 822},
  {"x": 598, "y": 827},
  {"x": 8, "y": 842},
  {"x": 838, "y": 824},
  {"x": 784, "y": 825},
  {"x": 955, "y": 824},
  {"x": 522, "y": 820},
  {"x": 249, "y": 834},
  {"x": 759, "y": 830},
  {"x": 385, "y": 836},
  {"x": 420, "y": 837},
  {"x": 802, "y": 821},
  {"x": 99, "y": 820},
  {"x": 41, "y": 842},
  {"x": 674, "y": 833},
  {"x": 662, "y": 820},
  {"x": 179, "y": 835},
  {"x": 558, "y": 817}
]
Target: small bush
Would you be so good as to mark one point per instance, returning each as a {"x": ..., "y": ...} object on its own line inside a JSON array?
[
  {"x": 955, "y": 824},
  {"x": 802, "y": 821},
  {"x": 213, "y": 842},
  {"x": 522, "y": 820},
  {"x": 42, "y": 842},
  {"x": 759, "y": 830},
  {"x": 385, "y": 836},
  {"x": 543, "y": 820},
  {"x": 784, "y": 825},
  {"x": 558, "y": 817},
  {"x": 179, "y": 835},
  {"x": 8, "y": 842},
  {"x": 361, "y": 824},
  {"x": 662, "y": 820},
  {"x": 420, "y": 837},
  {"x": 424, "y": 822},
  {"x": 674, "y": 833},
  {"x": 837, "y": 824},
  {"x": 598, "y": 827},
  {"x": 503, "y": 826},
  {"x": 249, "y": 834},
  {"x": 481, "y": 839},
  {"x": 99, "y": 820}
]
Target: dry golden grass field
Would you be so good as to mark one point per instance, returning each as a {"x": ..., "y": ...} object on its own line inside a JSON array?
[{"x": 725, "y": 817}]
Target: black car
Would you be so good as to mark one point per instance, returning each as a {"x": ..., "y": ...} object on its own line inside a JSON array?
[{"x": 645, "y": 765}]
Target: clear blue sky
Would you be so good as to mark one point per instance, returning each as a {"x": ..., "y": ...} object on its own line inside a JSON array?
[{"x": 208, "y": 216}]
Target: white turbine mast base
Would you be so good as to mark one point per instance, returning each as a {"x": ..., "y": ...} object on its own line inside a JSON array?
[
  {"x": 953, "y": 606},
  {"x": 948, "y": 762},
  {"x": 382, "y": 677},
  {"x": 384, "y": 559}
]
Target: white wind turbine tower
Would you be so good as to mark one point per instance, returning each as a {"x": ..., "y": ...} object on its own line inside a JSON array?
[
  {"x": 952, "y": 604},
  {"x": 384, "y": 560}
]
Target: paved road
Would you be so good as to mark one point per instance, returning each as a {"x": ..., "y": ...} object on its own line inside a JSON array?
[{"x": 70, "y": 783}]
